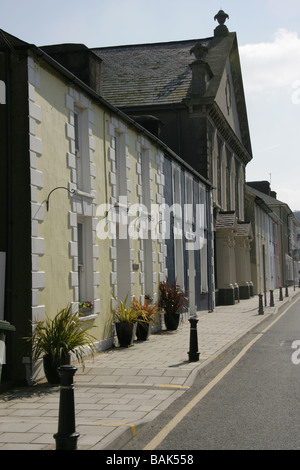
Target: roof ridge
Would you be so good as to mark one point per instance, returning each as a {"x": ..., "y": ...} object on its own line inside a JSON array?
[{"x": 123, "y": 46}]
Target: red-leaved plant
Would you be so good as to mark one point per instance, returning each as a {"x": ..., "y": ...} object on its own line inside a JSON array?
[{"x": 172, "y": 298}]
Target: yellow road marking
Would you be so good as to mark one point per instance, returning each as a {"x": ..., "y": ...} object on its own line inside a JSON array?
[{"x": 132, "y": 426}]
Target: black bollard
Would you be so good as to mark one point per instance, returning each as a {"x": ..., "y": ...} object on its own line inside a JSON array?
[
  {"x": 280, "y": 293},
  {"x": 271, "y": 299},
  {"x": 193, "y": 352},
  {"x": 260, "y": 305},
  {"x": 66, "y": 437},
  {"x": 286, "y": 291}
]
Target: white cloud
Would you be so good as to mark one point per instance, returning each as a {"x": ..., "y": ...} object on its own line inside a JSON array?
[
  {"x": 271, "y": 76},
  {"x": 268, "y": 66}
]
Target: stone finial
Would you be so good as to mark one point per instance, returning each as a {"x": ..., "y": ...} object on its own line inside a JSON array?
[
  {"x": 221, "y": 17},
  {"x": 199, "y": 51}
]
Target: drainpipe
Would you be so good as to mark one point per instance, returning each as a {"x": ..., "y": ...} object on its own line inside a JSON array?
[
  {"x": 8, "y": 267},
  {"x": 8, "y": 276}
]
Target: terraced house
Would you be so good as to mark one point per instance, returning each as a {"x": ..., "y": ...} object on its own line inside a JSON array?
[
  {"x": 121, "y": 166},
  {"x": 190, "y": 93},
  {"x": 86, "y": 197},
  {"x": 275, "y": 250}
]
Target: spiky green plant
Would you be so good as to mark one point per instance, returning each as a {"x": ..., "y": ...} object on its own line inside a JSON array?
[
  {"x": 127, "y": 314},
  {"x": 61, "y": 336}
]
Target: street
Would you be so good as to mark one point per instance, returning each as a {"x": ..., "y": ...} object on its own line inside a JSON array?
[{"x": 255, "y": 406}]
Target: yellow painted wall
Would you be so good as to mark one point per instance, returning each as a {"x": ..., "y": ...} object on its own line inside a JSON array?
[
  {"x": 55, "y": 229},
  {"x": 56, "y": 262}
]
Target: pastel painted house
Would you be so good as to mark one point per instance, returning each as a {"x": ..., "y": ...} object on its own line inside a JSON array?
[{"x": 83, "y": 187}]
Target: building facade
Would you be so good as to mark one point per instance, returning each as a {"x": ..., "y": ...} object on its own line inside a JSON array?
[
  {"x": 190, "y": 94},
  {"x": 265, "y": 249},
  {"x": 85, "y": 207},
  {"x": 274, "y": 254}
]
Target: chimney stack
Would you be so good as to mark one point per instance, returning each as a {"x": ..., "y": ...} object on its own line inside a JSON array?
[{"x": 201, "y": 71}]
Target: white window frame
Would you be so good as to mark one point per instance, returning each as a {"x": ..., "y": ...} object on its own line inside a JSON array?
[
  {"x": 146, "y": 183},
  {"x": 189, "y": 219},
  {"x": 85, "y": 259},
  {"x": 232, "y": 184},
  {"x": 118, "y": 145},
  {"x": 178, "y": 236},
  {"x": 203, "y": 231},
  {"x": 223, "y": 178},
  {"x": 215, "y": 167},
  {"x": 241, "y": 193},
  {"x": 81, "y": 136}
]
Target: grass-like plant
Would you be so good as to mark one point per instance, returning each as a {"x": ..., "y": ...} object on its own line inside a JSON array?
[
  {"x": 124, "y": 313},
  {"x": 61, "y": 336}
]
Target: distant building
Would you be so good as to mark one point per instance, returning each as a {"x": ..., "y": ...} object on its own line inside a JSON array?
[
  {"x": 275, "y": 239},
  {"x": 265, "y": 249}
]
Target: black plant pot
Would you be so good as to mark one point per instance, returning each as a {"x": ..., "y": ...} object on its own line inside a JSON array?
[
  {"x": 125, "y": 333},
  {"x": 51, "y": 365},
  {"x": 172, "y": 321},
  {"x": 143, "y": 331}
]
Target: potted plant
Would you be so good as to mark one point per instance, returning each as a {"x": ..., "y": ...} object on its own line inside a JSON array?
[
  {"x": 56, "y": 339},
  {"x": 147, "y": 313},
  {"x": 172, "y": 300},
  {"x": 149, "y": 298},
  {"x": 86, "y": 307},
  {"x": 126, "y": 318}
]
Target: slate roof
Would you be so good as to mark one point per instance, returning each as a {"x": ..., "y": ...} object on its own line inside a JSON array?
[
  {"x": 159, "y": 74},
  {"x": 154, "y": 74},
  {"x": 269, "y": 200}
]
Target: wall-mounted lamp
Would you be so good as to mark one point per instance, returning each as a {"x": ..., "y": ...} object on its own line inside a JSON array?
[{"x": 71, "y": 191}]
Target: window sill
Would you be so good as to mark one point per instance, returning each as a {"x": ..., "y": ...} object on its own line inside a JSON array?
[
  {"x": 120, "y": 205},
  {"x": 78, "y": 192},
  {"x": 88, "y": 317}
]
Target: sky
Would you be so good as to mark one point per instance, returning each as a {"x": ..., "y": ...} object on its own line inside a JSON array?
[{"x": 268, "y": 33}]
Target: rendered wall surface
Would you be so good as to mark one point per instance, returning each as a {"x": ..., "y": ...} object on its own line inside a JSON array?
[{"x": 54, "y": 176}]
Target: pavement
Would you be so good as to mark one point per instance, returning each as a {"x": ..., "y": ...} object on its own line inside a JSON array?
[{"x": 122, "y": 389}]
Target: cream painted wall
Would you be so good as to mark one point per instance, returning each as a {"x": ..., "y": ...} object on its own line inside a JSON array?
[
  {"x": 54, "y": 232},
  {"x": 54, "y": 229},
  {"x": 262, "y": 239}
]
